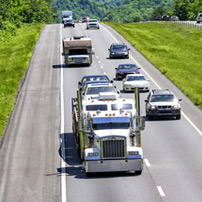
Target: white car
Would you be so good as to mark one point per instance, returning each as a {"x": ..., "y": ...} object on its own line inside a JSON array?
[
  {"x": 92, "y": 23},
  {"x": 132, "y": 81},
  {"x": 92, "y": 91}
]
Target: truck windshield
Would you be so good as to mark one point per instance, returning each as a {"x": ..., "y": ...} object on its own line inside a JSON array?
[
  {"x": 78, "y": 52},
  {"x": 107, "y": 126},
  {"x": 96, "y": 107},
  {"x": 121, "y": 106}
]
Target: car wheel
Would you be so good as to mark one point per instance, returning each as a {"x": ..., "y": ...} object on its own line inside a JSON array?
[
  {"x": 150, "y": 117},
  {"x": 138, "y": 172},
  {"x": 178, "y": 117}
]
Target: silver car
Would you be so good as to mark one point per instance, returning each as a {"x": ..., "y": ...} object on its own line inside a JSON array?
[
  {"x": 162, "y": 103},
  {"x": 199, "y": 18},
  {"x": 93, "y": 23}
]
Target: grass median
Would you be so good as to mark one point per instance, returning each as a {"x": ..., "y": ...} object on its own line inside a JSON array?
[
  {"x": 15, "y": 55},
  {"x": 175, "y": 49}
]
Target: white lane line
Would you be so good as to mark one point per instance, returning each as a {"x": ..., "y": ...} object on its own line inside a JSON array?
[
  {"x": 161, "y": 192},
  {"x": 147, "y": 163},
  {"x": 105, "y": 73},
  {"x": 184, "y": 115},
  {"x": 63, "y": 166},
  {"x": 101, "y": 67}
]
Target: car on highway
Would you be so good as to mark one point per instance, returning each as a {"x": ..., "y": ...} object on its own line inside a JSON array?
[
  {"x": 162, "y": 103},
  {"x": 165, "y": 17},
  {"x": 91, "y": 91},
  {"x": 93, "y": 77},
  {"x": 85, "y": 19},
  {"x": 132, "y": 81},
  {"x": 69, "y": 22},
  {"x": 92, "y": 23},
  {"x": 118, "y": 50},
  {"x": 123, "y": 69},
  {"x": 174, "y": 18},
  {"x": 158, "y": 18},
  {"x": 199, "y": 18}
]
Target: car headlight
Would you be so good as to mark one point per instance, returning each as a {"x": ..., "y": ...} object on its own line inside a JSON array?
[
  {"x": 176, "y": 106},
  {"x": 112, "y": 53},
  {"x": 133, "y": 152},
  {"x": 152, "y": 107},
  {"x": 93, "y": 154}
]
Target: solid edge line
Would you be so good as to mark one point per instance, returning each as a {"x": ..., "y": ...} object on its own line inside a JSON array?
[
  {"x": 185, "y": 116},
  {"x": 147, "y": 163},
  {"x": 161, "y": 192},
  {"x": 63, "y": 167}
]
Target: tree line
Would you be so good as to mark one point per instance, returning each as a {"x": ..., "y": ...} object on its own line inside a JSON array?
[{"x": 15, "y": 12}]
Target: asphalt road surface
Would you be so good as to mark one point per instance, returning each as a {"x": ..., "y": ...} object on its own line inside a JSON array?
[{"x": 38, "y": 158}]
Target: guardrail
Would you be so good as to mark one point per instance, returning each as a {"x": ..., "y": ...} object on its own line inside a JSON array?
[{"x": 192, "y": 24}]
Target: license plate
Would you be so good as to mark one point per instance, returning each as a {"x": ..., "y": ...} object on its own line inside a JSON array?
[{"x": 78, "y": 60}]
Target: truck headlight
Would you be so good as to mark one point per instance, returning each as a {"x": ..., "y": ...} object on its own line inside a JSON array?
[
  {"x": 93, "y": 154},
  {"x": 133, "y": 152}
]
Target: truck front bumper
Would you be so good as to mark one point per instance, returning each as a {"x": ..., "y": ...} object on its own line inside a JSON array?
[{"x": 114, "y": 165}]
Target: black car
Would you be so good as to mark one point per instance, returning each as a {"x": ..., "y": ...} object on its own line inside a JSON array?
[
  {"x": 68, "y": 22},
  {"x": 118, "y": 50},
  {"x": 124, "y": 69}
]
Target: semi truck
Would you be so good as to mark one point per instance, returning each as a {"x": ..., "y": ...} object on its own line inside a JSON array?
[
  {"x": 66, "y": 15},
  {"x": 108, "y": 140},
  {"x": 77, "y": 50}
]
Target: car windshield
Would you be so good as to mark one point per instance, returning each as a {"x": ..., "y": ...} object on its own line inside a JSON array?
[
  {"x": 97, "y": 90},
  {"x": 121, "y": 106},
  {"x": 95, "y": 78},
  {"x": 128, "y": 67},
  {"x": 162, "y": 98},
  {"x": 92, "y": 21},
  {"x": 96, "y": 107},
  {"x": 108, "y": 126},
  {"x": 135, "y": 78},
  {"x": 119, "y": 47}
]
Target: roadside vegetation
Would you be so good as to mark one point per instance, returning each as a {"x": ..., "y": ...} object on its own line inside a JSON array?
[
  {"x": 15, "y": 55},
  {"x": 174, "y": 49}
]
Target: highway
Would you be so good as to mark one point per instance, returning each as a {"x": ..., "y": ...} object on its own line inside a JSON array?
[{"x": 38, "y": 158}]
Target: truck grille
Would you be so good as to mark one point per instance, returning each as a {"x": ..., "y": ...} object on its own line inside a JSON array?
[{"x": 113, "y": 148}]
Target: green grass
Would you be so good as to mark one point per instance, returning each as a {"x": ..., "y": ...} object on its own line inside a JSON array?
[
  {"x": 15, "y": 55},
  {"x": 175, "y": 49}
]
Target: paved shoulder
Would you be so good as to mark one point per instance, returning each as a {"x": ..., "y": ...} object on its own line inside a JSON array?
[{"x": 29, "y": 153}]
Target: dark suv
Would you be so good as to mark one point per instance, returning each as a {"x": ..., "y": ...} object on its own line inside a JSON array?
[
  {"x": 162, "y": 102},
  {"x": 118, "y": 50}
]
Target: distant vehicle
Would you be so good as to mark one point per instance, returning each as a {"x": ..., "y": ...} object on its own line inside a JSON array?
[
  {"x": 165, "y": 17},
  {"x": 135, "y": 81},
  {"x": 124, "y": 69},
  {"x": 174, "y": 18},
  {"x": 69, "y": 23},
  {"x": 77, "y": 50},
  {"x": 96, "y": 77},
  {"x": 92, "y": 23},
  {"x": 85, "y": 19},
  {"x": 118, "y": 50},
  {"x": 158, "y": 17},
  {"x": 162, "y": 102},
  {"x": 66, "y": 15},
  {"x": 199, "y": 18}
]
